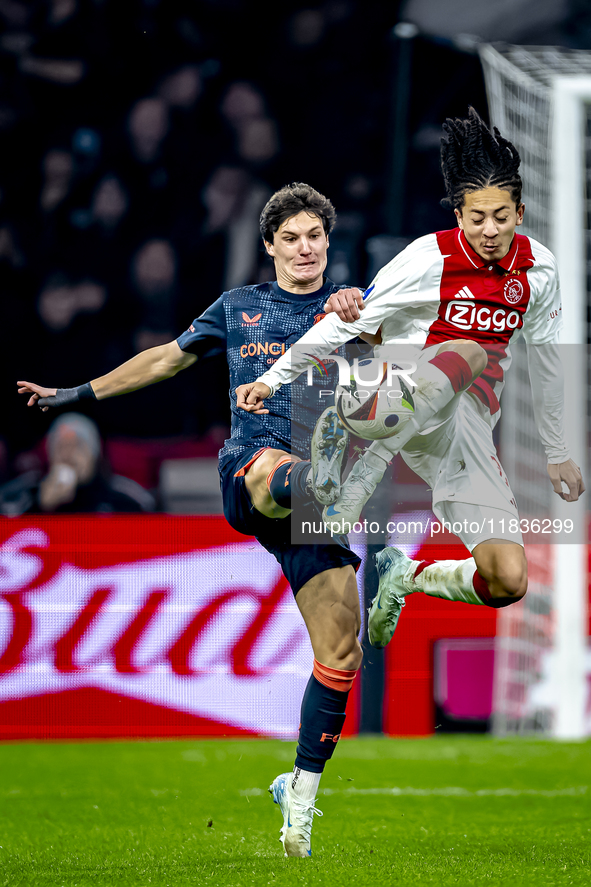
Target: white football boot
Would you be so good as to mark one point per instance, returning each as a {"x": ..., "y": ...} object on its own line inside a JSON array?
[
  {"x": 396, "y": 572},
  {"x": 297, "y": 817},
  {"x": 328, "y": 448}
]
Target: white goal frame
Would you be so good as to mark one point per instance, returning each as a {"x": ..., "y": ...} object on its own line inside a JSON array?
[
  {"x": 569, "y": 95},
  {"x": 550, "y": 88}
]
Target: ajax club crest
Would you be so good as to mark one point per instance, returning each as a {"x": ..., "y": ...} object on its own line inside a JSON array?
[{"x": 513, "y": 291}]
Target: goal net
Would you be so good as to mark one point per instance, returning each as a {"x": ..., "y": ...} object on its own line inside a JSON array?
[{"x": 540, "y": 99}]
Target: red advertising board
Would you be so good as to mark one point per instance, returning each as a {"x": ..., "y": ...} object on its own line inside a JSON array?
[
  {"x": 156, "y": 626},
  {"x": 145, "y": 626}
]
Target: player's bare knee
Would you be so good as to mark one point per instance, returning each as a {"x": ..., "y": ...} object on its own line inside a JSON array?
[
  {"x": 341, "y": 652},
  {"x": 260, "y": 470},
  {"x": 355, "y": 658},
  {"x": 516, "y": 587},
  {"x": 475, "y": 356},
  {"x": 479, "y": 359},
  {"x": 351, "y": 661},
  {"x": 473, "y": 353},
  {"x": 341, "y": 641},
  {"x": 256, "y": 483},
  {"x": 511, "y": 582},
  {"x": 503, "y": 566}
]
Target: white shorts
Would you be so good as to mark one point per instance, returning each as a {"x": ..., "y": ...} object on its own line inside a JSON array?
[
  {"x": 459, "y": 461},
  {"x": 474, "y": 524}
]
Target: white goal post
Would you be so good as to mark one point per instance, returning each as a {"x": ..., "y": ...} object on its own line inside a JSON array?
[{"x": 540, "y": 99}]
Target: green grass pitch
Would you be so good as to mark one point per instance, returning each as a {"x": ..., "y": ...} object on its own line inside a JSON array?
[{"x": 465, "y": 810}]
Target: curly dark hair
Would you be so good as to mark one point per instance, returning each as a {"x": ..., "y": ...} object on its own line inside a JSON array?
[
  {"x": 473, "y": 157},
  {"x": 291, "y": 200}
]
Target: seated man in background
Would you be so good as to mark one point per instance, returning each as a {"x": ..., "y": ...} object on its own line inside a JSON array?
[{"x": 77, "y": 480}]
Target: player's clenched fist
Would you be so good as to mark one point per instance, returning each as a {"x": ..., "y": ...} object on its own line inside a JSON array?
[
  {"x": 250, "y": 397},
  {"x": 570, "y": 474}
]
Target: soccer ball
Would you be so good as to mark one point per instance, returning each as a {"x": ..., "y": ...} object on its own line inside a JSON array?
[{"x": 377, "y": 408}]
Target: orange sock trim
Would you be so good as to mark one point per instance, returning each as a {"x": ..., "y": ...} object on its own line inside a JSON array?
[
  {"x": 333, "y": 678},
  {"x": 277, "y": 465},
  {"x": 242, "y": 471}
]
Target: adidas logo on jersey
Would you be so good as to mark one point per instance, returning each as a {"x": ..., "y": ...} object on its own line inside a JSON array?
[{"x": 464, "y": 293}]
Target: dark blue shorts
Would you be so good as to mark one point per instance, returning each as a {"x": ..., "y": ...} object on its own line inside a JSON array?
[{"x": 299, "y": 563}]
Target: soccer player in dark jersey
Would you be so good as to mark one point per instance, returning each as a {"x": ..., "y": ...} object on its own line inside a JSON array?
[{"x": 260, "y": 475}]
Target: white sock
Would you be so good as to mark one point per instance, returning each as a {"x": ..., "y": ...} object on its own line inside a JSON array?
[
  {"x": 451, "y": 580},
  {"x": 305, "y": 784},
  {"x": 375, "y": 462},
  {"x": 434, "y": 391}
]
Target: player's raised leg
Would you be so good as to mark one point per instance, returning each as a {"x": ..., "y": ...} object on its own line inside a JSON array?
[
  {"x": 452, "y": 370},
  {"x": 495, "y": 576},
  {"x": 329, "y": 604},
  {"x": 276, "y": 480}
]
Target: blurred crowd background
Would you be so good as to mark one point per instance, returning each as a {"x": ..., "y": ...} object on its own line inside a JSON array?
[{"x": 141, "y": 139}]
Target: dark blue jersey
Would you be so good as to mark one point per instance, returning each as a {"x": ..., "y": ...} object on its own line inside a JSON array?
[{"x": 256, "y": 325}]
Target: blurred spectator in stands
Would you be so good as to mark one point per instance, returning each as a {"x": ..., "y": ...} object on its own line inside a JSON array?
[
  {"x": 109, "y": 203},
  {"x": 234, "y": 198},
  {"x": 227, "y": 252},
  {"x": 243, "y": 107},
  {"x": 60, "y": 301},
  {"x": 9, "y": 250},
  {"x": 97, "y": 242},
  {"x": 55, "y": 58},
  {"x": 306, "y": 27},
  {"x": 146, "y": 167},
  {"x": 148, "y": 125},
  {"x": 192, "y": 148},
  {"x": 65, "y": 173},
  {"x": 77, "y": 480},
  {"x": 58, "y": 168},
  {"x": 80, "y": 326},
  {"x": 182, "y": 88},
  {"x": 153, "y": 272}
]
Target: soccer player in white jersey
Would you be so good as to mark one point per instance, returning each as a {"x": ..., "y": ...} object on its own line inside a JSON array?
[{"x": 456, "y": 299}]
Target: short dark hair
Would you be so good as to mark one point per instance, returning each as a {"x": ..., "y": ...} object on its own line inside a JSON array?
[
  {"x": 291, "y": 200},
  {"x": 473, "y": 157}
]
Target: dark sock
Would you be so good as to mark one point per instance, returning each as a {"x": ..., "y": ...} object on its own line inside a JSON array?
[
  {"x": 323, "y": 716},
  {"x": 287, "y": 483}
]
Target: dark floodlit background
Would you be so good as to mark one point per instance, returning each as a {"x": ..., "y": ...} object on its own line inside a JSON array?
[{"x": 140, "y": 140}]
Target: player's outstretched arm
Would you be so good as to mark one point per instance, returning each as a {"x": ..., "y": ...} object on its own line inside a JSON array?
[
  {"x": 570, "y": 474},
  {"x": 251, "y": 396},
  {"x": 147, "y": 367}
]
